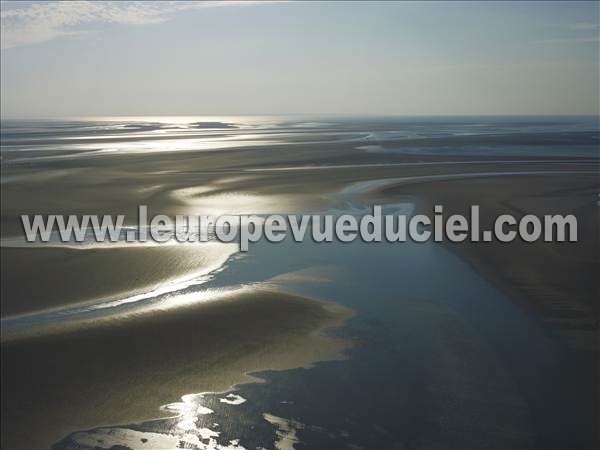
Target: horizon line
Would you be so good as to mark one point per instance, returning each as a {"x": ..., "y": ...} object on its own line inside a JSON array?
[{"x": 348, "y": 115}]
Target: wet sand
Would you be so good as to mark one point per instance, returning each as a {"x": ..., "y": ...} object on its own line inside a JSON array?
[
  {"x": 123, "y": 371},
  {"x": 66, "y": 276}
]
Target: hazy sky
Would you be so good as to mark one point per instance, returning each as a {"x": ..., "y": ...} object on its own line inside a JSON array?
[{"x": 139, "y": 58}]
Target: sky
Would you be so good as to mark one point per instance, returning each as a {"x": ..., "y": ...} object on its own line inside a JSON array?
[{"x": 211, "y": 58}]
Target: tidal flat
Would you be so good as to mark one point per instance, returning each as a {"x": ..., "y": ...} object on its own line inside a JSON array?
[{"x": 328, "y": 345}]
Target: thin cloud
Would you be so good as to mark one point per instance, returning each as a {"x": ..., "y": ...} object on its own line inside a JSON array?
[
  {"x": 42, "y": 22},
  {"x": 578, "y": 33},
  {"x": 573, "y": 40},
  {"x": 584, "y": 26}
]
